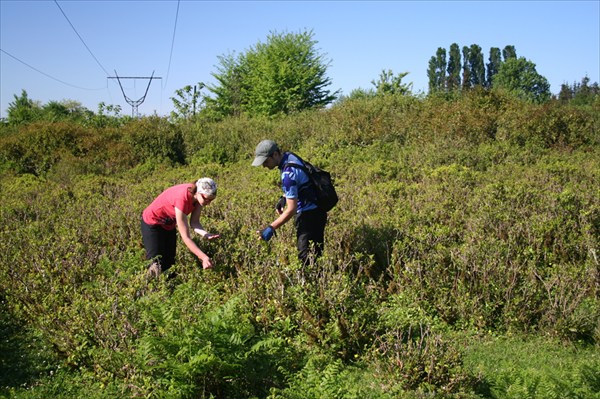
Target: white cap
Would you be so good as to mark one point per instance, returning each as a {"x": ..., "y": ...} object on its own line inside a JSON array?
[{"x": 207, "y": 186}]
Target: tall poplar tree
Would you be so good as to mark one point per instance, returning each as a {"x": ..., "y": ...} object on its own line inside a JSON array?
[
  {"x": 432, "y": 76},
  {"x": 477, "y": 66},
  {"x": 466, "y": 70},
  {"x": 453, "y": 80},
  {"x": 437, "y": 71},
  {"x": 492, "y": 67},
  {"x": 509, "y": 52},
  {"x": 441, "y": 68}
]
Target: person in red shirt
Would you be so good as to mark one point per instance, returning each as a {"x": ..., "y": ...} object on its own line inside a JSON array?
[{"x": 167, "y": 214}]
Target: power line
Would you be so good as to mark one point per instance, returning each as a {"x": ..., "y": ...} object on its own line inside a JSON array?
[
  {"x": 172, "y": 42},
  {"x": 80, "y": 38},
  {"x": 45, "y": 74}
]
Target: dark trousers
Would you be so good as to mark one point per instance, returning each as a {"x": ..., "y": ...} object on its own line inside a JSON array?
[
  {"x": 160, "y": 244},
  {"x": 310, "y": 234}
]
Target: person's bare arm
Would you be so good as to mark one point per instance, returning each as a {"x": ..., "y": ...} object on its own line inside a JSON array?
[
  {"x": 184, "y": 231},
  {"x": 197, "y": 226},
  {"x": 291, "y": 205}
]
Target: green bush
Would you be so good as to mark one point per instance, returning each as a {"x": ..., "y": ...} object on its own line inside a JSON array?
[
  {"x": 415, "y": 349},
  {"x": 37, "y": 147},
  {"x": 155, "y": 139},
  {"x": 549, "y": 125}
]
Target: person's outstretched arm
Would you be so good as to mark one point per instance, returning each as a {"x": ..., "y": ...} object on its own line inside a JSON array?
[
  {"x": 291, "y": 205},
  {"x": 197, "y": 226},
  {"x": 184, "y": 231}
]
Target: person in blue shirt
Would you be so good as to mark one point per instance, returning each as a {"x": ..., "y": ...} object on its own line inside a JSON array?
[{"x": 298, "y": 201}]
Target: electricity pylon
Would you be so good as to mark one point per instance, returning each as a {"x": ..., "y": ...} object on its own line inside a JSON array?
[{"x": 134, "y": 103}]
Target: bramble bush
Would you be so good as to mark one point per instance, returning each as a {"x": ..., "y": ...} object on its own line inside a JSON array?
[{"x": 461, "y": 220}]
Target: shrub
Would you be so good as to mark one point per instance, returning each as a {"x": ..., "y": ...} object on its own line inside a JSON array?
[
  {"x": 38, "y": 146},
  {"x": 549, "y": 125},
  {"x": 155, "y": 139}
]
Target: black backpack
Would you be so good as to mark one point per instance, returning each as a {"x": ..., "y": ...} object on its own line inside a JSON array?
[{"x": 322, "y": 183}]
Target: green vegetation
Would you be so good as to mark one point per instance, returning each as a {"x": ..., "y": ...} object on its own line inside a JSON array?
[
  {"x": 580, "y": 94},
  {"x": 24, "y": 110},
  {"x": 518, "y": 76},
  {"x": 461, "y": 261},
  {"x": 286, "y": 74}
]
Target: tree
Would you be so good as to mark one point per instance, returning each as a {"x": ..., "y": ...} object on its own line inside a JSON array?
[
  {"x": 566, "y": 93},
  {"x": 585, "y": 93},
  {"x": 108, "y": 115},
  {"x": 54, "y": 111},
  {"x": 432, "y": 76},
  {"x": 437, "y": 71},
  {"x": 284, "y": 75},
  {"x": 493, "y": 65},
  {"x": 519, "y": 76},
  {"x": 476, "y": 66},
  {"x": 390, "y": 84},
  {"x": 65, "y": 110},
  {"x": 453, "y": 80},
  {"x": 466, "y": 75},
  {"x": 582, "y": 93},
  {"x": 227, "y": 98},
  {"x": 509, "y": 52},
  {"x": 22, "y": 110},
  {"x": 357, "y": 94},
  {"x": 187, "y": 101}
]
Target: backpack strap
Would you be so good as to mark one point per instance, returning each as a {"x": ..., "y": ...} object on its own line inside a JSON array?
[
  {"x": 297, "y": 156},
  {"x": 301, "y": 166},
  {"x": 311, "y": 182},
  {"x": 297, "y": 165}
]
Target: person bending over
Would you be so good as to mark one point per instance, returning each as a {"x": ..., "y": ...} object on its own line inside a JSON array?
[{"x": 167, "y": 214}]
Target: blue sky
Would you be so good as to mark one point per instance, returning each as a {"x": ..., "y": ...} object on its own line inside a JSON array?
[{"x": 358, "y": 38}]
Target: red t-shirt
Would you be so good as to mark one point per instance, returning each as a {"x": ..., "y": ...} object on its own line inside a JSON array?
[{"x": 162, "y": 210}]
